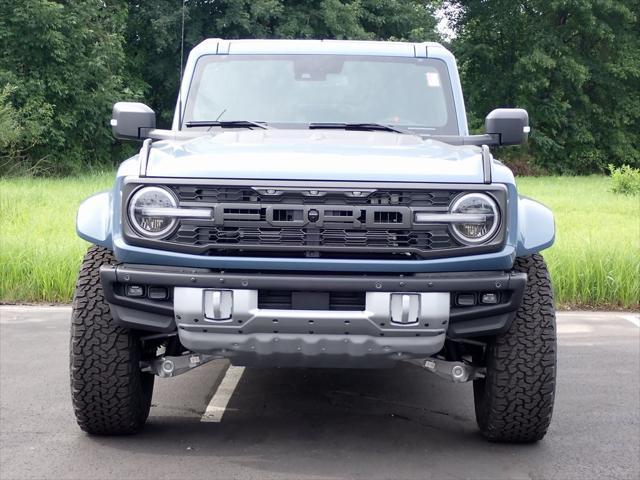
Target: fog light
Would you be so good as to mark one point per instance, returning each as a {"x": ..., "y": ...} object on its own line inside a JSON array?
[
  {"x": 489, "y": 298},
  {"x": 465, "y": 299},
  {"x": 135, "y": 291},
  {"x": 158, "y": 293}
]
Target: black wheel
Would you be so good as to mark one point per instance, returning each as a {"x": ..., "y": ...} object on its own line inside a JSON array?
[
  {"x": 514, "y": 402},
  {"x": 111, "y": 396}
]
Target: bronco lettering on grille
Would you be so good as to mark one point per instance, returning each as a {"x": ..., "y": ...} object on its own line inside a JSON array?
[{"x": 345, "y": 216}]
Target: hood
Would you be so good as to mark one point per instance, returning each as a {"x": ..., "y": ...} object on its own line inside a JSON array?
[{"x": 331, "y": 155}]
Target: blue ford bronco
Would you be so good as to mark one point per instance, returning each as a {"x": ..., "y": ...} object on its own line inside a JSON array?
[{"x": 316, "y": 204}]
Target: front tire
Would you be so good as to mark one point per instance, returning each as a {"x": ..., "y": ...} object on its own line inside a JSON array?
[
  {"x": 111, "y": 396},
  {"x": 514, "y": 402}
]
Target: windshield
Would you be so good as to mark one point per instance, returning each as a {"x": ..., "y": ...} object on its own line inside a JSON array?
[{"x": 296, "y": 90}]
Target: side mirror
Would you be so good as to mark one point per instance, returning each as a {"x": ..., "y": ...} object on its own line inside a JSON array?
[
  {"x": 131, "y": 120},
  {"x": 510, "y": 125}
]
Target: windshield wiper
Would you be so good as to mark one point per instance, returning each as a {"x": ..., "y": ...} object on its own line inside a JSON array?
[
  {"x": 226, "y": 124},
  {"x": 358, "y": 126}
]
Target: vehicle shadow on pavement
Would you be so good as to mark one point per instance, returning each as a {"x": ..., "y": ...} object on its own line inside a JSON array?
[{"x": 314, "y": 421}]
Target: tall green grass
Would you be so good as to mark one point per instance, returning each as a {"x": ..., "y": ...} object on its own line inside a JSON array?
[
  {"x": 595, "y": 261},
  {"x": 39, "y": 249}
]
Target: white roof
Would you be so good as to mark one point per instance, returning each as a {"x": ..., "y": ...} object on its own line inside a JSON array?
[{"x": 335, "y": 47}]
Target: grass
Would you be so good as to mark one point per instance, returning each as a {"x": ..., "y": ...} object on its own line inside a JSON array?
[
  {"x": 39, "y": 250},
  {"x": 594, "y": 263}
]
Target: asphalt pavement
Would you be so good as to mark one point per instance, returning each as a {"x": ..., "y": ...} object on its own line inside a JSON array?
[{"x": 402, "y": 423}]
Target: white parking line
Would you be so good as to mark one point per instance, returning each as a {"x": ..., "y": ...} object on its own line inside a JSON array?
[
  {"x": 635, "y": 319},
  {"x": 218, "y": 404}
]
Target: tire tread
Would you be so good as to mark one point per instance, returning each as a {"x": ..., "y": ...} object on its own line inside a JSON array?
[
  {"x": 110, "y": 395},
  {"x": 514, "y": 403}
]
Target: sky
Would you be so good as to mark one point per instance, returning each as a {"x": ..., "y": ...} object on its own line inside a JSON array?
[{"x": 443, "y": 22}]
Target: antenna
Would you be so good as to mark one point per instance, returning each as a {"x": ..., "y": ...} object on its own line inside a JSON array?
[{"x": 184, "y": 2}]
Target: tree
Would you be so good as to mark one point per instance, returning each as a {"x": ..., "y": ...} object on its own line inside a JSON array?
[
  {"x": 61, "y": 68},
  {"x": 574, "y": 64}
]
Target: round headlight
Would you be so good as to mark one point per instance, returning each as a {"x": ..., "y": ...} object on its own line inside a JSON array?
[
  {"x": 144, "y": 208},
  {"x": 480, "y": 231}
]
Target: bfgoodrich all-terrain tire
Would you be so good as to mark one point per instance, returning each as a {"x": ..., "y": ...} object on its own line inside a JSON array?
[
  {"x": 514, "y": 402},
  {"x": 111, "y": 396}
]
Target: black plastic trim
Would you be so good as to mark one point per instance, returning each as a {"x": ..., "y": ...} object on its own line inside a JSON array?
[
  {"x": 420, "y": 282},
  {"x": 511, "y": 284},
  {"x": 480, "y": 327},
  {"x": 141, "y": 319},
  {"x": 327, "y": 251}
]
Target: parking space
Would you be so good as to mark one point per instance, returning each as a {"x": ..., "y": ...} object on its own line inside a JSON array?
[{"x": 401, "y": 423}]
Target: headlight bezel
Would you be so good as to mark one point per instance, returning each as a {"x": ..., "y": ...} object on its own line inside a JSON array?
[
  {"x": 495, "y": 211},
  {"x": 135, "y": 196}
]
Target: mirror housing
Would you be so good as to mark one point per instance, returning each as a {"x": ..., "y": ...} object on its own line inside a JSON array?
[
  {"x": 131, "y": 120},
  {"x": 510, "y": 125}
]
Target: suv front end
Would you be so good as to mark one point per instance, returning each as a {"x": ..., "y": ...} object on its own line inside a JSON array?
[
  {"x": 364, "y": 315},
  {"x": 311, "y": 243}
]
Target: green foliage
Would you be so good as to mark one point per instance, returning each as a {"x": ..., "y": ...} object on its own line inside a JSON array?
[
  {"x": 61, "y": 69},
  {"x": 573, "y": 64},
  {"x": 625, "y": 180},
  {"x": 20, "y": 129}
]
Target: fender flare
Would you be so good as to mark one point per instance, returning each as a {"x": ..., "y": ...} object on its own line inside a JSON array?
[
  {"x": 536, "y": 227},
  {"x": 93, "y": 221}
]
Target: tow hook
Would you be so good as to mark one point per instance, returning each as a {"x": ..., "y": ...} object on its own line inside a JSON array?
[
  {"x": 457, "y": 372},
  {"x": 166, "y": 366}
]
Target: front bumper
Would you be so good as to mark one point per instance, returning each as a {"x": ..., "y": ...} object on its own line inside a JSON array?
[
  {"x": 402, "y": 316},
  {"x": 388, "y": 327}
]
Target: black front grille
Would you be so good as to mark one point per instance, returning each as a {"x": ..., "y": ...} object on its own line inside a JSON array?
[
  {"x": 414, "y": 198},
  {"x": 372, "y": 222},
  {"x": 254, "y": 237},
  {"x": 267, "y": 220},
  {"x": 283, "y": 300}
]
